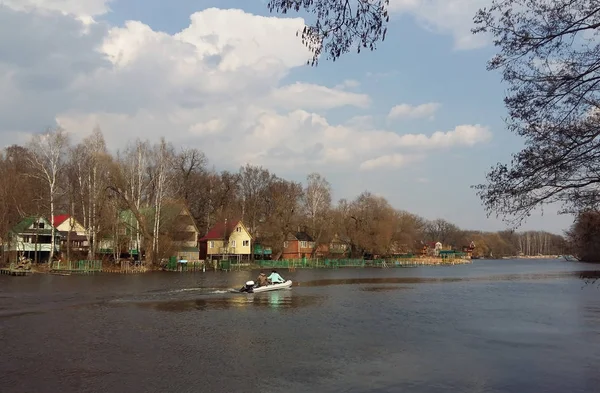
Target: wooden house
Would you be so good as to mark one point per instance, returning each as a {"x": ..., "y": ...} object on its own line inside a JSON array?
[
  {"x": 73, "y": 234},
  {"x": 226, "y": 240},
  {"x": 339, "y": 247},
  {"x": 31, "y": 238},
  {"x": 177, "y": 233},
  {"x": 298, "y": 245}
]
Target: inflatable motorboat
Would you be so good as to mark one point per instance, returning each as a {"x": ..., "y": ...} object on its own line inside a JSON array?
[{"x": 250, "y": 287}]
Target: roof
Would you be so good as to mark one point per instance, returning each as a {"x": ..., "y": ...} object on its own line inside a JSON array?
[
  {"x": 169, "y": 212},
  {"x": 219, "y": 231},
  {"x": 25, "y": 223},
  {"x": 60, "y": 219},
  {"x": 303, "y": 237},
  {"x": 343, "y": 239}
]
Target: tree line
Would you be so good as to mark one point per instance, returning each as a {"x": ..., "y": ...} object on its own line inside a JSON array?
[{"x": 50, "y": 176}]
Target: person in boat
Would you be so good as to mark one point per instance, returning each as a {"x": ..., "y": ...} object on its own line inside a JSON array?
[
  {"x": 261, "y": 280},
  {"x": 275, "y": 278}
]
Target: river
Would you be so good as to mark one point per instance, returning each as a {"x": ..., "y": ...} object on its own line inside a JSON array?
[{"x": 492, "y": 326}]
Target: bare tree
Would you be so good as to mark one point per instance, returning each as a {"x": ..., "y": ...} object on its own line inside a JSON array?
[
  {"x": 549, "y": 55},
  {"x": 254, "y": 182},
  {"x": 189, "y": 164},
  {"x": 339, "y": 25},
  {"x": 584, "y": 236},
  {"x": 162, "y": 175},
  {"x": 89, "y": 162},
  {"x": 47, "y": 160},
  {"x": 281, "y": 211},
  {"x": 129, "y": 181},
  {"x": 317, "y": 206}
]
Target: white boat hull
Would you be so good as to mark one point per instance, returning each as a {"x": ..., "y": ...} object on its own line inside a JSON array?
[
  {"x": 267, "y": 288},
  {"x": 273, "y": 287}
]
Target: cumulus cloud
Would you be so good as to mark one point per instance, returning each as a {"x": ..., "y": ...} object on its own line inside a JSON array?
[
  {"x": 412, "y": 111},
  {"x": 84, "y": 10},
  {"x": 453, "y": 17},
  {"x": 463, "y": 135},
  {"x": 348, "y": 84},
  {"x": 390, "y": 161},
  {"x": 217, "y": 85},
  {"x": 310, "y": 96}
]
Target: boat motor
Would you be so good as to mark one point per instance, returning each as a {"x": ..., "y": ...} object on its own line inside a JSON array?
[{"x": 249, "y": 287}]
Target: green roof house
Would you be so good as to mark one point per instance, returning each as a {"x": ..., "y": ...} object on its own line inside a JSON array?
[
  {"x": 32, "y": 238},
  {"x": 178, "y": 233}
]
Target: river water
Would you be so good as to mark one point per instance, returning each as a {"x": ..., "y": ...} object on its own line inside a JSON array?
[{"x": 492, "y": 326}]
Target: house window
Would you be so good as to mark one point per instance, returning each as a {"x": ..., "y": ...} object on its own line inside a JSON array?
[
  {"x": 238, "y": 229},
  {"x": 246, "y": 243},
  {"x": 40, "y": 225},
  {"x": 211, "y": 244},
  {"x": 285, "y": 244},
  {"x": 303, "y": 244},
  {"x": 233, "y": 243}
]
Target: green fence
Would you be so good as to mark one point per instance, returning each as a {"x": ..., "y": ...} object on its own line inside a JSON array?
[
  {"x": 400, "y": 261},
  {"x": 317, "y": 263},
  {"x": 83, "y": 266}
]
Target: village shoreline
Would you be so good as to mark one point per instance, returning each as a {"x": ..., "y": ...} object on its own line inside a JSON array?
[{"x": 92, "y": 267}]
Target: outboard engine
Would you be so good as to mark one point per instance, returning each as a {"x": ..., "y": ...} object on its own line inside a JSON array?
[{"x": 249, "y": 287}]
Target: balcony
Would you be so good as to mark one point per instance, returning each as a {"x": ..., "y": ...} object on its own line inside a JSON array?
[{"x": 227, "y": 250}]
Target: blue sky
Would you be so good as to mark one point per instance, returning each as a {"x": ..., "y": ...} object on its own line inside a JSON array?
[{"x": 136, "y": 75}]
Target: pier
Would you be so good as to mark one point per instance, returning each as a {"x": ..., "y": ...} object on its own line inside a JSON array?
[{"x": 15, "y": 272}]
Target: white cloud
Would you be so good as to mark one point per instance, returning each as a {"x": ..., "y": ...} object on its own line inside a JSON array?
[
  {"x": 364, "y": 122},
  {"x": 348, "y": 84},
  {"x": 390, "y": 161},
  {"x": 453, "y": 17},
  {"x": 84, "y": 10},
  {"x": 411, "y": 111},
  {"x": 217, "y": 85},
  {"x": 310, "y": 96},
  {"x": 463, "y": 135}
]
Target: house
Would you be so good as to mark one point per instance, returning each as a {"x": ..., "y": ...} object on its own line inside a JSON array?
[
  {"x": 260, "y": 251},
  {"x": 339, "y": 247},
  {"x": 431, "y": 249},
  {"x": 73, "y": 234},
  {"x": 177, "y": 233},
  {"x": 298, "y": 245},
  {"x": 31, "y": 238},
  {"x": 226, "y": 240}
]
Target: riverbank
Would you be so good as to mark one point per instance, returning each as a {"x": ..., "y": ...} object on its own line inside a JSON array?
[{"x": 127, "y": 267}]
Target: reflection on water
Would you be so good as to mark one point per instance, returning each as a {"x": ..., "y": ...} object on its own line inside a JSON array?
[
  {"x": 383, "y": 289},
  {"x": 495, "y": 326},
  {"x": 590, "y": 277},
  {"x": 275, "y": 300},
  {"x": 586, "y": 275}
]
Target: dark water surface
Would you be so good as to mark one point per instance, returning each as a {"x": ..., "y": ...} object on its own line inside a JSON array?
[{"x": 493, "y": 326}]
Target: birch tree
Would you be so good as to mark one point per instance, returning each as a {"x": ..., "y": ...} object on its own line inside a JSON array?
[
  {"x": 162, "y": 175},
  {"x": 317, "y": 206},
  {"x": 47, "y": 160},
  {"x": 89, "y": 161},
  {"x": 129, "y": 181}
]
